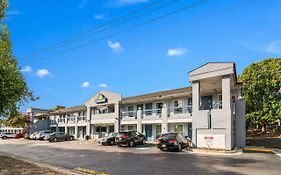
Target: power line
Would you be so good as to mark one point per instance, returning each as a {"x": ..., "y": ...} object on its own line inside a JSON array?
[
  {"x": 127, "y": 29},
  {"x": 177, "y": 26},
  {"x": 107, "y": 28},
  {"x": 97, "y": 27}
]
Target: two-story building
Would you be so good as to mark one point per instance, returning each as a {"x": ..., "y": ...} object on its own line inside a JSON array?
[{"x": 211, "y": 111}]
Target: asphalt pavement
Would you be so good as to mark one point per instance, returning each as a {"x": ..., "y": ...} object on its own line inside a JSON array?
[{"x": 140, "y": 160}]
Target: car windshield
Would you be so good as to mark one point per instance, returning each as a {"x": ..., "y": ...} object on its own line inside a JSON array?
[
  {"x": 112, "y": 134},
  {"x": 169, "y": 136}
]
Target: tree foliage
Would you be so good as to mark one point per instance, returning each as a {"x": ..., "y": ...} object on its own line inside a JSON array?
[
  {"x": 17, "y": 120},
  {"x": 13, "y": 89},
  {"x": 262, "y": 91}
]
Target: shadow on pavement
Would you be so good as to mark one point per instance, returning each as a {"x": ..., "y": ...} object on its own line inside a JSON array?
[{"x": 122, "y": 163}]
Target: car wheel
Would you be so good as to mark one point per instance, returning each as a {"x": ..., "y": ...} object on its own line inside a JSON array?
[
  {"x": 179, "y": 147},
  {"x": 118, "y": 145},
  {"x": 143, "y": 141},
  {"x": 131, "y": 143},
  {"x": 4, "y": 137},
  {"x": 55, "y": 139},
  {"x": 71, "y": 138},
  {"x": 112, "y": 143}
]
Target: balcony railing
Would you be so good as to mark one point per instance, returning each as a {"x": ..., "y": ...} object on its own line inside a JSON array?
[
  {"x": 181, "y": 110},
  {"x": 81, "y": 118},
  {"x": 53, "y": 122},
  {"x": 61, "y": 120},
  {"x": 129, "y": 114},
  {"x": 71, "y": 119},
  {"x": 148, "y": 112}
]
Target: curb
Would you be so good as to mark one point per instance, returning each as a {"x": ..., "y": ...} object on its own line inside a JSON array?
[
  {"x": 225, "y": 153},
  {"x": 51, "y": 167},
  {"x": 258, "y": 149}
]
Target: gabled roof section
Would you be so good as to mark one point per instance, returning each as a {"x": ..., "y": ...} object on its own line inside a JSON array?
[
  {"x": 154, "y": 95},
  {"x": 36, "y": 110},
  {"x": 70, "y": 109},
  {"x": 110, "y": 96},
  {"x": 212, "y": 69}
]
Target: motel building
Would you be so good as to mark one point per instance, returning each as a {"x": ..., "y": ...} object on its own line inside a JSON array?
[{"x": 211, "y": 112}]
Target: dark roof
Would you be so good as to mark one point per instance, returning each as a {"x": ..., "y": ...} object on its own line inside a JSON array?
[
  {"x": 156, "y": 94},
  {"x": 70, "y": 109}
]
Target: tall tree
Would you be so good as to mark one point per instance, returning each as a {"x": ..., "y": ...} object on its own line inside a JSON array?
[
  {"x": 262, "y": 92},
  {"x": 13, "y": 88}
]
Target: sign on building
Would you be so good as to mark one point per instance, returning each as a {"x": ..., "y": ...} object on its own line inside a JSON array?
[{"x": 211, "y": 141}]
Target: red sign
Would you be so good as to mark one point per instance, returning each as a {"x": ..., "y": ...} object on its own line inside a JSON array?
[{"x": 208, "y": 137}]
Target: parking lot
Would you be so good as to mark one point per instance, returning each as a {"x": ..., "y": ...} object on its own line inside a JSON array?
[{"x": 138, "y": 160}]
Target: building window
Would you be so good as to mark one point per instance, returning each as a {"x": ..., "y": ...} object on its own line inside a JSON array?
[
  {"x": 189, "y": 105},
  {"x": 131, "y": 111},
  {"x": 206, "y": 102},
  {"x": 111, "y": 109},
  {"x": 101, "y": 129},
  {"x": 130, "y": 108},
  {"x": 178, "y": 106},
  {"x": 140, "y": 107},
  {"x": 130, "y": 128},
  {"x": 148, "y": 109},
  {"x": 158, "y": 130},
  {"x": 159, "y": 107},
  {"x": 178, "y": 128}
]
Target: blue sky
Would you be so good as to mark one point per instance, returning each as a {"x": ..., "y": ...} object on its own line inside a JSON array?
[{"x": 147, "y": 59}]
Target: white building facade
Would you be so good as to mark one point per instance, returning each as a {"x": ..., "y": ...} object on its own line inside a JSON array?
[{"x": 211, "y": 111}]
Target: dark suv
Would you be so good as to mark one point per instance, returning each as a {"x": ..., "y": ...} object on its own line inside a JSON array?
[
  {"x": 129, "y": 138},
  {"x": 173, "y": 141}
]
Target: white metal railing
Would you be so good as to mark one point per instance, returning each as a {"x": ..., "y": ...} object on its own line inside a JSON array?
[
  {"x": 53, "y": 122},
  {"x": 81, "y": 118},
  {"x": 129, "y": 114},
  {"x": 61, "y": 120},
  {"x": 148, "y": 112},
  {"x": 181, "y": 110},
  {"x": 71, "y": 119}
]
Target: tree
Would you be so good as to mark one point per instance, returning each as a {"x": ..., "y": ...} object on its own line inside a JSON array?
[
  {"x": 13, "y": 88},
  {"x": 17, "y": 120},
  {"x": 262, "y": 92}
]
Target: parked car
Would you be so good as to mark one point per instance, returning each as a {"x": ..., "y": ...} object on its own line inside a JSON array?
[
  {"x": 109, "y": 139},
  {"x": 6, "y": 135},
  {"x": 41, "y": 135},
  {"x": 27, "y": 135},
  {"x": 32, "y": 136},
  {"x": 19, "y": 135},
  {"x": 129, "y": 138},
  {"x": 173, "y": 141},
  {"x": 59, "y": 136}
]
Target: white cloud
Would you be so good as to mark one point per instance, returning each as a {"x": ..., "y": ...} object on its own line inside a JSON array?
[
  {"x": 12, "y": 12},
  {"x": 99, "y": 16},
  {"x": 83, "y": 3},
  {"x": 85, "y": 84},
  {"x": 274, "y": 47},
  {"x": 26, "y": 69},
  {"x": 115, "y": 46},
  {"x": 131, "y": 2},
  {"x": 177, "y": 52},
  {"x": 103, "y": 85},
  {"x": 43, "y": 72}
]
